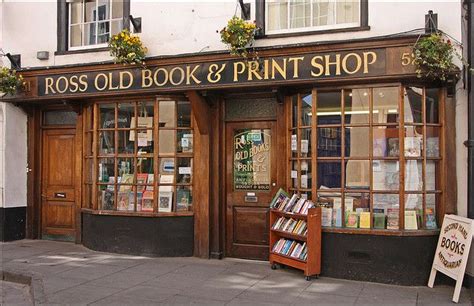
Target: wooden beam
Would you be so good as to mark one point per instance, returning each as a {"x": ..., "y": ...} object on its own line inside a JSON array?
[{"x": 200, "y": 110}]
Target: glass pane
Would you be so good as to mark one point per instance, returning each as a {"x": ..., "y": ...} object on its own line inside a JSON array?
[
  {"x": 116, "y": 26},
  {"x": 144, "y": 167},
  {"x": 147, "y": 201},
  {"x": 305, "y": 195},
  {"x": 306, "y": 110},
  {"x": 386, "y": 175},
  {"x": 329, "y": 107},
  {"x": 323, "y": 13},
  {"x": 431, "y": 175},
  {"x": 294, "y": 111},
  {"x": 252, "y": 159},
  {"x": 332, "y": 208},
  {"x": 103, "y": 12},
  {"x": 329, "y": 142},
  {"x": 385, "y": 108},
  {"x": 432, "y": 105},
  {"x": 126, "y": 200},
  {"x": 166, "y": 171},
  {"x": 305, "y": 146},
  {"x": 75, "y": 35},
  {"x": 167, "y": 114},
  {"x": 184, "y": 114},
  {"x": 356, "y": 106},
  {"x": 294, "y": 144},
  {"x": 184, "y": 141},
  {"x": 430, "y": 218},
  {"x": 184, "y": 171},
  {"x": 413, "y": 211},
  {"x": 414, "y": 175},
  {"x": 294, "y": 174},
  {"x": 166, "y": 144},
  {"x": 107, "y": 116},
  {"x": 300, "y": 14},
  {"x": 117, "y": 9},
  {"x": 90, "y": 34},
  {"x": 329, "y": 175},
  {"x": 76, "y": 12},
  {"x": 413, "y": 104},
  {"x": 277, "y": 15},
  {"x": 386, "y": 210},
  {"x": 106, "y": 198},
  {"x": 90, "y": 10},
  {"x": 165, "y": 199},
  {"x": 432, "y": 141},
  {"x": 306, "y": 181},
  {"x": 145, "y": 141},
  {"x": 104, "y": 32},
  {"x": 357, "y": 210},
  {"x": 357, "y": 174},
  {"x": 347, "y": 11},
  {"x": 106, "y": 171},
  {"x": 126, "y": 170},
  {"x": 60, "y": 118},
  {"x": 357, "y": 142},
  {"x": 386, "y": 142},
  {"x": 184, "y": 198},
  {"x": 126, "y": 115},
  {"x": 126, "y": 141},
  {"x": 413, "y": 141}
]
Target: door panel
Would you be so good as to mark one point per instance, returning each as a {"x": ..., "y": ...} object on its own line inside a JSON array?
[
  {"x": 251, "y": 181},
  {"x": 58, "y": 184}
]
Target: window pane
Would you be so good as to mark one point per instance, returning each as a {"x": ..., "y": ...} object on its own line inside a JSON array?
[
  {"x": 165, "y": 199},
  {"x": 414, "y": 175},
  {"x": 106, "y": 198},
  {"x": 167, "y": 114},
  {"x": 76, "y": 35},
  {"x": 356, "y": 106},
  {"x": 166, "y": 171},
  {"x": 166, "y": 144},
  {"x": 76, "y": 12},
  {"x": 107, "y": 116},
  {"x": 90, "y": 34},
  {"x": 386, "y": 175},
  {"x": 357, "y": 142},
  {"x": 357, "y": 210},
  {"x": 184, "y": 198},
  {"x": 294, "y": 174},
  {"x": 104, "y": 32},
  {"x": 90, "y": 11},
  {"x": 357, "y": 174},
  {"x": 116, "y": 26},
  {"x": 413, "y": 211},
  {"x": 306, "y": 179},
  {"x": 431, "y": 175},
  {"x": 107, "y": 172},
  {"x": 329, "y": 175},
  {"x": 103, "y": 12},
  {"x": 432, "y": 105},
  {"x": 329, "y": 107},
  {"x": 329, "y": 142},
  {"x": 386, "y": 211},
  {"x": 126, "y": 115},
  {"x": 126, "y": 142},
  {"x": 430, "y": 218},
  {"x": 184, "y": 114},
  {"x": 413, "y": 141},
  {"x": 386, "y": 142},
  {"x": 300, "y": 14},
  {"x": 306, "y": 110},
  {"x": 294, "y": 144},
  {"x": 184, "y": 171},
  {"x": 147, "y": 201},
  {"x": 145, "y": 172},
  {"x": 432, "y": 141},
  {"x": 347, "y": 11},
  {"x": 323, "y": 12},
  {"x": 333, "y": 202},
  {"x": 126, "y": 170},
  {"x": 59, "y": 118},
  {"x": 294, "y": 111},
  {"x": 305, "y": 146},
  {"x": 277, "y": 15},
  {"x": 184, "y": 141},
  {"x": 117, "y": 9},
  {"x": 413, "y": 104},
  {"x": 385, "y": 105},
  {"x": 106, "y": 142},
  {"x": 126, "y": 200}
]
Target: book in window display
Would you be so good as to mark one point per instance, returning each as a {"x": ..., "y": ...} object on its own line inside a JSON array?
[
  {"x": 364, "y": 219},
  {"x": 413, "y": 146},
  {"x": 352, "y": 219},
  {"x": 147, "y": 201},
  {"x": 142, "y": 179},
  {"x": 126, "y": 179},
  {"x": 431, "y": 219},
  {"x": 393, "y": 147},
  {"x": 165, "y": 201},
  {"x": 392, "y": 218},
  {"x": 411, "y": 220},
  {"x": 183, "y": 199},
  {"x": 187, "y": 143},
  {"x": 123, "y": 200},
  {"x": 107, "y": 200},
  {"x": 379, "y": 219}
]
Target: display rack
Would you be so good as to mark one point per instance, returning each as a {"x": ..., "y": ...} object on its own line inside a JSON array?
[{"x": 312, "y": 265}]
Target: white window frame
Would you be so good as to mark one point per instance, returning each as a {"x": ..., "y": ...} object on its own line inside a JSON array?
[
  {"x": 311, "y": 28},
  {"x": 82, "y": 23}
]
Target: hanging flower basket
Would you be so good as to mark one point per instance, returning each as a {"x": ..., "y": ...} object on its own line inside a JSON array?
[
  {"x": 238, "y": 35},
  {"x": 127, "y": 48},
  {"x": 10, "y": 81},
  {"x": 433, "y": 57}
]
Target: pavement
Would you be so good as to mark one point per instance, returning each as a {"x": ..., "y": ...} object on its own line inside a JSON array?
[{"x": 66, "y": 273}]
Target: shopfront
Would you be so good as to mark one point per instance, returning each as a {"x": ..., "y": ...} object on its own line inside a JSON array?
[{"x": 182, "y": 157}]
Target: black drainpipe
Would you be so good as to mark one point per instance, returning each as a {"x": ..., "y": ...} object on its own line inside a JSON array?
[{"x": 470, "y": 119}]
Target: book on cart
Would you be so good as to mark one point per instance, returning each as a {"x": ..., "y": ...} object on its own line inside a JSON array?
[{"x": 295, "y": 233}]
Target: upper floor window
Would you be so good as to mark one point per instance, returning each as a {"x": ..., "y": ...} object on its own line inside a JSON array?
[
  {"x": 311, "y": 15},
  {"x": 92, "y": 22}
]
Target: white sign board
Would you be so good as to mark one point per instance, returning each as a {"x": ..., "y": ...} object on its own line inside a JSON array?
[{"x": 452, "y": 250}]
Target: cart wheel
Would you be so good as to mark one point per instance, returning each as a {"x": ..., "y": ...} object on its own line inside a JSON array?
[
  {"x": 274, "y": 266},
  {"x": 308, "y": 278},
  {"x": 316, "y": 276}
]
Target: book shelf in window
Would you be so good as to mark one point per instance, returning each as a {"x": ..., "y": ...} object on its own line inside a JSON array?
[{"x": 311, "y": 266}]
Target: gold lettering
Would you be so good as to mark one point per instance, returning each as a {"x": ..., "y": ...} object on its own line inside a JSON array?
[
  {"x": 66, "y": 84},
  {"x": 190, "y": 75},
  {"x": 281, "y": 70},
  {"x": 147, "y": 81},
  {"x": 172, "y": 72},
  {"x": 366, "y": 60},
  {"x": 155, "y": 77},
  {"x": 317, "y": 65},
  {"x": 295, "y": 65},
  {"x": 265, "y": 69},
  {"x": 358, "y": 65},
  {"x": 49, "y": 86},
  {"x": 111, "y": 80},
  {"x": 214, "y": 75},
  {"x": 96, "y": 81},
  {"x": 130, "y": 79},
  {"x": 73, "y": 83},
  {"x": 253, "y": 70},
  {"x": 238, "y": 71},
  {"x": 83, "y": 81},
  {"x": 329, "y": 63}
]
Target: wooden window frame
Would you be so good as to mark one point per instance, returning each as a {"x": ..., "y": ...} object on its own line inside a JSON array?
[{"x": 440, "y": 187}]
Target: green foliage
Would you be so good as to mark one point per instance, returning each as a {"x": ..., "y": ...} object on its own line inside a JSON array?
[
  {"x": 238, "y": 35},
  {"x": 10, "y": 81},
  {"x": 434, "y": 57},
  {"x": 127, "y": 48}
]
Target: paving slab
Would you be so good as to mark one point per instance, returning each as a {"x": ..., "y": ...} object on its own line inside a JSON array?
[{"x": 15, "y": 294}]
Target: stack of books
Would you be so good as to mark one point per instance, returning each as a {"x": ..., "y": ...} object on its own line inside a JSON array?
[
  {"x": 291, "y": 225},
  {"x": 294, "y": 205},
  {"x": 291, "y": 248}
]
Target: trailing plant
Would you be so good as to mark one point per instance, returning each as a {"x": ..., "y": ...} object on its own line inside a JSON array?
[
  {"x": 10, "y": 81},
  {"x": 127, "y": 48},
  {"x": 238, "y": 35},
  {"x": 433, "y": 57}
]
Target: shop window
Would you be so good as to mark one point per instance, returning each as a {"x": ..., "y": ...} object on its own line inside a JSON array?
[
  {"x": 313, "y": 15},
  {"x": 377, "y": 161},
  {"x": 140, "y": 156}
]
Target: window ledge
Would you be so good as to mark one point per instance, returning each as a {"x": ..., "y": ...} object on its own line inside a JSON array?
[
  {"x": 137, "y": 214},
  {"x": 380, "y": 232},
  {"x": 316, "y": 32},
  {"x": 90, "y": 50}
]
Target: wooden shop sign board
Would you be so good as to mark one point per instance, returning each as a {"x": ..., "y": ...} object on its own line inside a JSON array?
[{"x": 452, "y": 251}]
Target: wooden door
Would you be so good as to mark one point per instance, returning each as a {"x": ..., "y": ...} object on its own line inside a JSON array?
[
  {"x": 58, "y": 184},
  {"x": 251, "y": 182}
]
